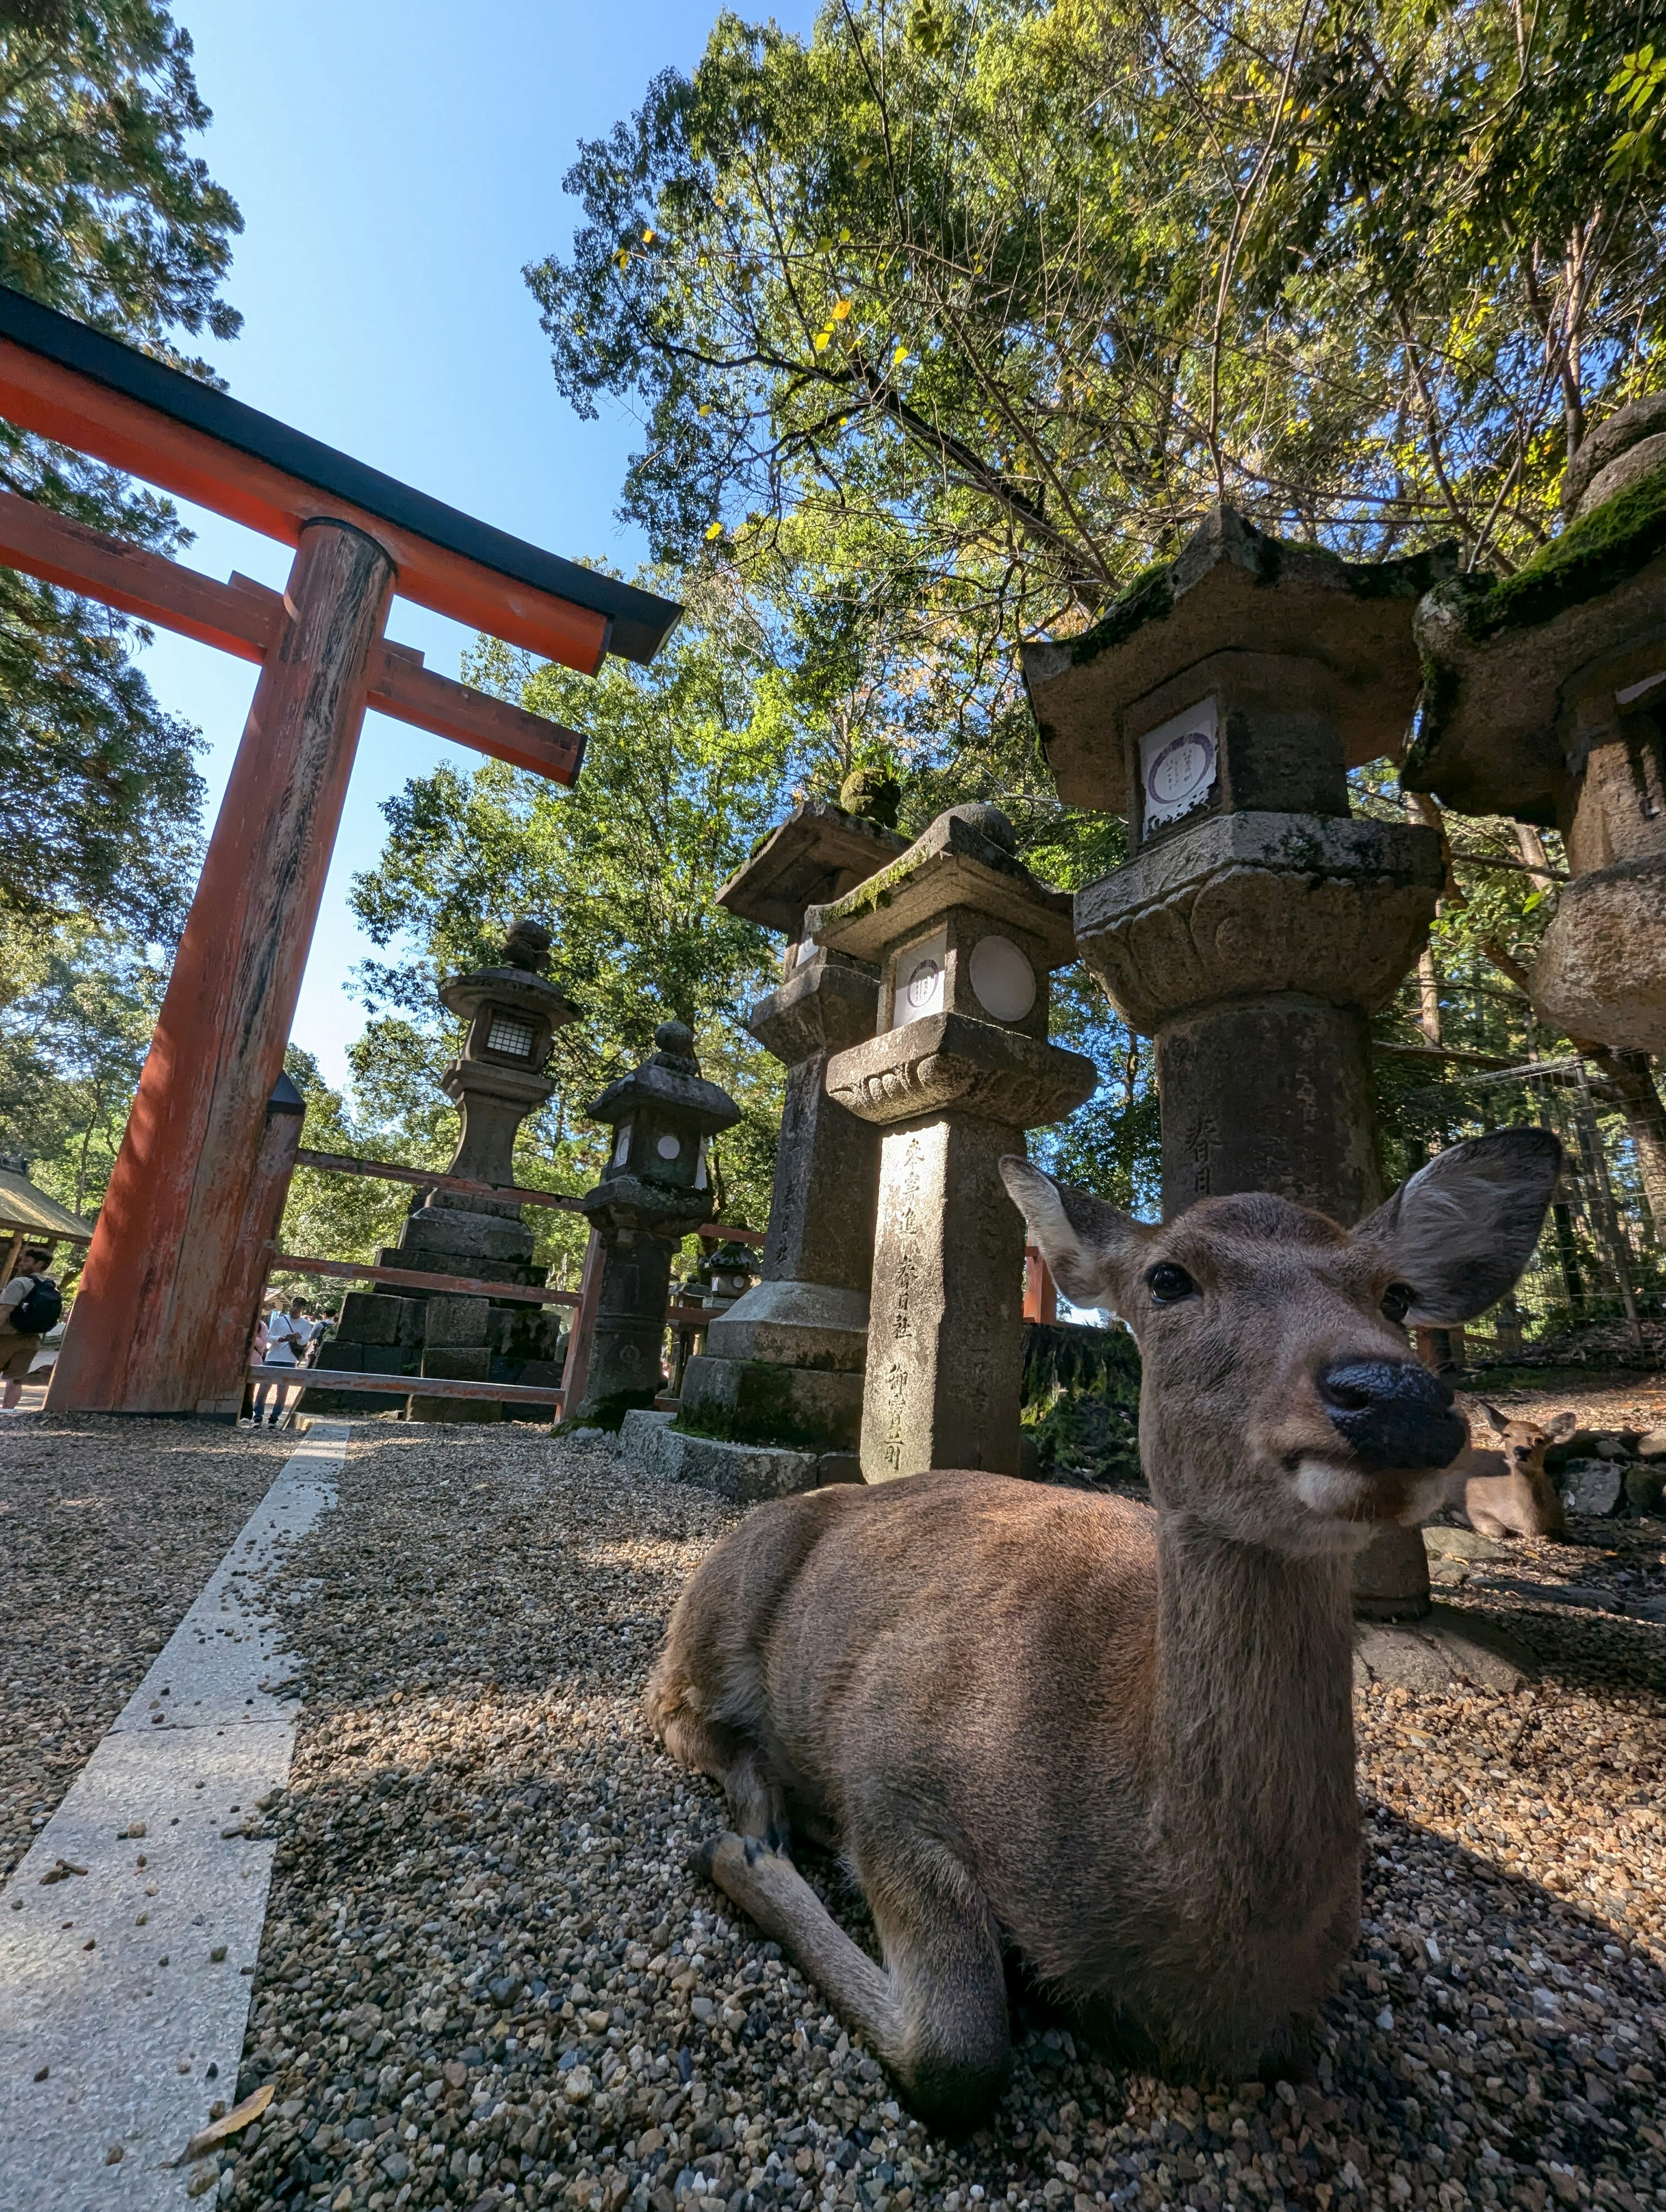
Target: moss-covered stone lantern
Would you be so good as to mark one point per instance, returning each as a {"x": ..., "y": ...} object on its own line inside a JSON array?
[
  {"x": 1258, "y": 923},
  {"x": 654, "y": 1191},
  {"x": 1546, "y": 702},
  {"x": 964, "y": 939},
  {"x": 784, "y": 1365}
]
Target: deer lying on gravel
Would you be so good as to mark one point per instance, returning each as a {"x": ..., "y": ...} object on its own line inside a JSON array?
[
  {"x": 1115, "y": 1740},
  {"x": 1506, "y": 1491}
]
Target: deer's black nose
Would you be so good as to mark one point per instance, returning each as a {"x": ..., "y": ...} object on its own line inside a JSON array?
[{"x": 1392, "y": 1413}]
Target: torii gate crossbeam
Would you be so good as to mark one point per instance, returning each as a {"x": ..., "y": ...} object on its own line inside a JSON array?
[{"x": 152, "y": 1330}]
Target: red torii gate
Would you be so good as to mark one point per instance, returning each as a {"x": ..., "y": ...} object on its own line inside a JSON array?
[{"x": 152, "y": 1330}]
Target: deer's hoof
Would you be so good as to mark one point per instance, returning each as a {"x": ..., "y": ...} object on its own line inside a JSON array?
[{"x": 703, "y": 1858}]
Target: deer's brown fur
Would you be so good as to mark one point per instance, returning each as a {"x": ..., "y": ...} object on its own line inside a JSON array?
[
  {"x": 1115, "y": 1739},
  {"x": 1504, "y": 1490}
]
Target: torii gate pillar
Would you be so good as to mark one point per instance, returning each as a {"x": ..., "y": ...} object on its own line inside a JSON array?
[{"x": 148, "y": 1314}]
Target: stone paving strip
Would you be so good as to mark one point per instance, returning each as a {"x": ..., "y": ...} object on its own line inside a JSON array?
[{"x": 129, "y": 1932}]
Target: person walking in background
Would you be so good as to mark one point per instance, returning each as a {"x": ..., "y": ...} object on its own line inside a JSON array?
[
  {"x": 30, "y": 1305},
  {"x": 286, "y": 1335},
  {"x": 257, "y": 1354}
]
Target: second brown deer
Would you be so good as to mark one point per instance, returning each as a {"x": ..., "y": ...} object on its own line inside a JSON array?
[
  {"x": 1505, "y": 1489},
  {"x": 1114, "y": 1741}
]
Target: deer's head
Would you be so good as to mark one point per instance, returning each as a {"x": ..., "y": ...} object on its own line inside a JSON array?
[
  {"x": 1281, "y": 1404},
  {"x": 1523, "y": 1442}
]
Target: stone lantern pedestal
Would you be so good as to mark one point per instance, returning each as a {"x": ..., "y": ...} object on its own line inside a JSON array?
[
  {"x": 784, "y": 1364},
  {"x": 1258, "y": 924},
  {"x": 654, "y": 1191},
  {"x": 964, "y": 937},
  {"x": 513, "y": 1011},
  {"x": 1546, "y": 701}
]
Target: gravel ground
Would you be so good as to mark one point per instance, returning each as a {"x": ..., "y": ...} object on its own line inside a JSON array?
[
  {"x": 488, "y": 1981},
  {"x": 102, "y": 1548}
]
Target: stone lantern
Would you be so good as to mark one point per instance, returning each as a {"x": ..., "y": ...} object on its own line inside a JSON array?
[
  {"x": 964, "y": 939},
  {"x": 513, "y": 1011},
  {"x": 784, "y": 1365},
  {"x": 1258, "y": 924},
  {"x": 1546, "y": 701},
  {"x": 654, "y": 1191}
]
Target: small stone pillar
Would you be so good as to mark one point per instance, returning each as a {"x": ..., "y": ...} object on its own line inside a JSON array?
[
  {"x": 784, "y": 1364},
  {"x": 1258, "y": 924},
  {"x": 654, "y": 1191},
  {"x": 513, "y": 1011},
  {"x": 1546, "y": 701},
  {"x": 964, "y": 937}
]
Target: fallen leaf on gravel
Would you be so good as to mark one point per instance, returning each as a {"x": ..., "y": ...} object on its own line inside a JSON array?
[{"x": 238, "y": 2118}]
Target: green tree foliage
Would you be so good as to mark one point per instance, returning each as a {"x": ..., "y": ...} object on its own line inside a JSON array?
[
  {"x": 688, "y": 764},
  {"x": 107, "y": 216},
  {"x": 76, "y": 1013},
  {"x": 944, "y": 321},
  {"x": 995, "y": 300}
]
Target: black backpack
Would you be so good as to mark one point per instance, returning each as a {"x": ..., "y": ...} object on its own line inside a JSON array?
[{"x": 34, "y": 1314}]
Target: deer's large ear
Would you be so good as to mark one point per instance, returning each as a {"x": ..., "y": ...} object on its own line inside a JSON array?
[
  {"x": 1464, "y": 1227},
  {"x": 1084, "y": 1242}
]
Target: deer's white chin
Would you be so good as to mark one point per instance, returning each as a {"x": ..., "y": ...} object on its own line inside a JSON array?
[
  {"x": 1352, "y": 1502},
  {"x": 1342, "y": 1499}
]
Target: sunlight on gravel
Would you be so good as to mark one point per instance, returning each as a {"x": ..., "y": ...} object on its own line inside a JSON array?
[
  {"x": 488, "y": 1981},
  {"x": 103, "y": 1546}
]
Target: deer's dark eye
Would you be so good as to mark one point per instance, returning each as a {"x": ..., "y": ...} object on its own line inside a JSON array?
[
  {"x": 1168, "y": 1284},
  {"x": 1397, "y": 1300}
]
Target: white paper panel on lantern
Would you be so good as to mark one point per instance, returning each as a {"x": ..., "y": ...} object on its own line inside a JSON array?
[
  {"x": 919, "y": 980},
  {"x": 1178, "y": 763},
  {"x": 1002, "y": 979}
]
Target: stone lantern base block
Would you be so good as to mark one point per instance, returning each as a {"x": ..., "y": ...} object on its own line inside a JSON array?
[
  {"x": 796, "y": 1325},
  {"x": 747, "y": 1474},
  {"x": 761, "y": 1401},
  {"x": 1445, "y": 1649}
]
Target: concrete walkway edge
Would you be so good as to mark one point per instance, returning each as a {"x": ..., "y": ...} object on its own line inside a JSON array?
[{"x": 130, "y": 1931}]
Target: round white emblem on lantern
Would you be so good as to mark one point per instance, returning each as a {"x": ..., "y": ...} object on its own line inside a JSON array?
[
  {"x": 924, "y": 983},
  {"x": 920, "y": 972},
  {"x": 1003, "y": 979},
  {"x": 1178, "y": 762},
  {"x": 669, "y": 1146}
]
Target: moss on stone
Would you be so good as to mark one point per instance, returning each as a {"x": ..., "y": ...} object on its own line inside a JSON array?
[
  {"x": 1149, "y": 597},
  {"x": 1603, "y": 549},
  {"x": 762, "y": 1415},
  {"x": 609, "y": 1413}
]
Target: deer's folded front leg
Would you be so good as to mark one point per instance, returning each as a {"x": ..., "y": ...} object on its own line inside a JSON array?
[{"x": 937, "y": 2013}]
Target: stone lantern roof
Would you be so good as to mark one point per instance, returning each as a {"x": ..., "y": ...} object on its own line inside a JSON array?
[
  {"x": 508, "y": 987},
  {"x": 965, "y": 859},
  {"x": 818, "y": 852},
  {"x": 1232, "y": 590},
  {"x": 516, "y": 986},
  {"x": 669, "y": 1079},
  {"x": 1500, "y": 733}
]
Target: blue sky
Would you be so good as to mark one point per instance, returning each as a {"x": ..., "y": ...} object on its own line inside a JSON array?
[{"x": 396, "y": 166}]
